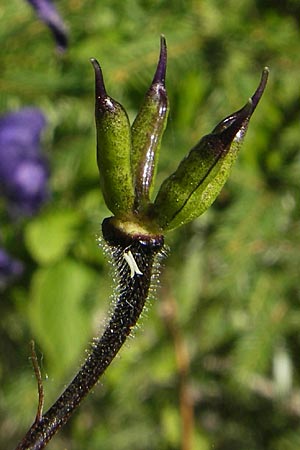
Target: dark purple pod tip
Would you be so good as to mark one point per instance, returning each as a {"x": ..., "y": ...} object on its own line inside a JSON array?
[
  {"x": 227, "y": 130},
  {"x": 237, "y": 122},
  {"x": 160, "y": 74},
  {"x": 260, "y": 89},
  {"x": 99, "y": 82}
]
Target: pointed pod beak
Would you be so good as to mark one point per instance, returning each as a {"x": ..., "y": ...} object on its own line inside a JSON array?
[
  {"x": 235, "y": 125},
  {"x": 100, "y": 87},
  {"x": 147, "y": 131},
  {"x": 103, "y": 102},
  {"x": 261, "y": 87},
  {"x": 160, "y": 74}
]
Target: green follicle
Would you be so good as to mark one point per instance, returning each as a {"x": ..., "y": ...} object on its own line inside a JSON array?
[
  {"x": 127, "y": 158},
  {"x": 194, "y": 186},
  {"x": 147, "y": 131},
  {"x": 113, "y": 149}
]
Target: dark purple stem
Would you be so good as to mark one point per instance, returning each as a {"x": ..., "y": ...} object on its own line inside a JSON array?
[{"x": 133, "y": 292}]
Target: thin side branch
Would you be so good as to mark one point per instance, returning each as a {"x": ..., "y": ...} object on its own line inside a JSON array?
[{"x": 38, "y": 375}]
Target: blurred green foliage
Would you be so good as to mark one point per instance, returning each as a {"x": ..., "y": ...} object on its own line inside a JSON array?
[{"x": 230, "y": 292}]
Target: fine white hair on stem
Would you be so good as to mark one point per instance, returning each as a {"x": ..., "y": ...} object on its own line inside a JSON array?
[{"x": 134, "y": 269}]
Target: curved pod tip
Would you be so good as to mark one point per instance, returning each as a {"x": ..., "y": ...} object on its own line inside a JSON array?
[
  {"x": 261, "y": 87},
  {"x": 236, "y": 123},
  {"x": 99, "y": 81},
  {"x": 193, "y": 187},
  {"x": 160, "y": 74}
]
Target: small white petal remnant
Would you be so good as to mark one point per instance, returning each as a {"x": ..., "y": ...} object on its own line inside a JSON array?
[
  {"x": 128, "y": 256},
  {"x": 239, "y": 135}
]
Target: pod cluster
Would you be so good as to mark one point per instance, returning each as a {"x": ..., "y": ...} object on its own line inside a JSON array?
[{"x": 127, "y": 157}]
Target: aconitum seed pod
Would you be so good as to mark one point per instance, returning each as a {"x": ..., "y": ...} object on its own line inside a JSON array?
[
  {"x": 200, "y": 176},
  {"x": 127, "y": 158},
  {"x": 113, "y": 149},
  {"x": 147, "y": 131}
]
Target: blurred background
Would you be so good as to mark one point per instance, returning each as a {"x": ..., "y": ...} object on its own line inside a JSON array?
[{"x": 215, "y": 361}]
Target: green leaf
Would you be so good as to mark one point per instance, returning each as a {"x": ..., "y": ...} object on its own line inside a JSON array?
[
  {"x": 57, "y": 315},
  {"x": 48, "y": 237}
]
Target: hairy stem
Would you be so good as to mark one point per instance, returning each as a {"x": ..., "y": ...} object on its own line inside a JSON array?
[{"x": 134, "y": 259}]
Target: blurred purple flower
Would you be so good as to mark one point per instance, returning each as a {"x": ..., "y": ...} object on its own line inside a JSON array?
[
  {"x": 48, "y": 14},
  {"x": 10, "y": 268},
  {"x": 23, "y": 170}
]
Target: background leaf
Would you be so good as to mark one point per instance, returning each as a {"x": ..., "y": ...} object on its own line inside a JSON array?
[
  {"x": 49, "y": 236},
  {"x": 57, "y": 312}
]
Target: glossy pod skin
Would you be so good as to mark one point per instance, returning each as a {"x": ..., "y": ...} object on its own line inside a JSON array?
[
  {"x": 127, "y": 157},
  {"x": 147, "y": 131},
  {"x": 199, "y": 178},
  {"x": 113, "y": 149}
]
